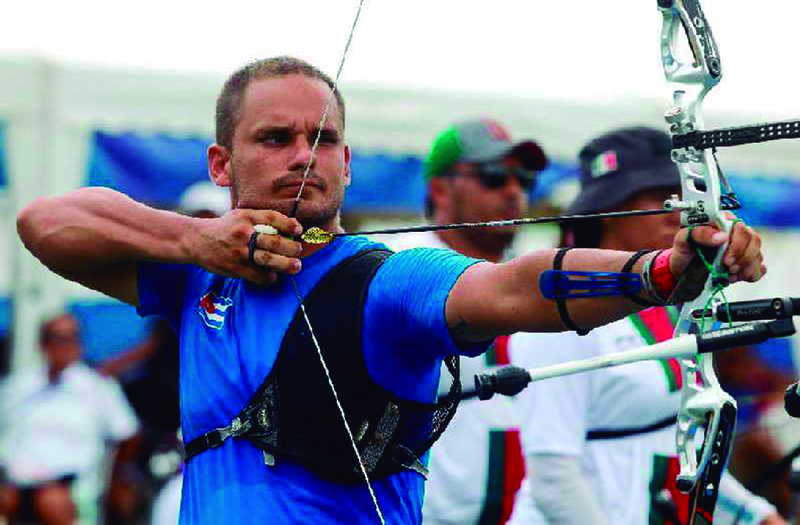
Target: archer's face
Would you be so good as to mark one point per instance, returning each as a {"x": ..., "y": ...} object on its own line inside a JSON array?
[
  {"x": 278, "y": 124},
  {"x": 61, "y": 344},
  {"x": 470, "y": 200}
]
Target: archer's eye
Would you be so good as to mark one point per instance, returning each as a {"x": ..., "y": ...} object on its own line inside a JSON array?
[
  {"x": 328, "y": 136},
  {"x": 275, "y": 137}
]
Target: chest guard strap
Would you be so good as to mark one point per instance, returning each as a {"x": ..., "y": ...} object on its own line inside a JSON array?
[{"x": 293, "y": 413}]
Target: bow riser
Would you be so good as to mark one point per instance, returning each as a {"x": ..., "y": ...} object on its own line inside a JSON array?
[{"x": 704, "y": 405}]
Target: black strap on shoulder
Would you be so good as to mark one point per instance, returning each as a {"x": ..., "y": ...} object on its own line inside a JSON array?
[
  {"x": 561, "y": 302},
  {"x": 626, "y": 432},
  {"x": 337, "y": 284},
  {"x": 627, "y": 268}
]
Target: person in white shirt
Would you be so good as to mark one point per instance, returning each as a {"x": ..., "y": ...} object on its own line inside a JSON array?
[
  {"x": 600, "y": 446},
  {"x": 475, "y": 173},
  {"x": 56, "y": 423}
]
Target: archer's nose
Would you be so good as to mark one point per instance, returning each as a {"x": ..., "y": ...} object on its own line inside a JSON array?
[{"x": 302, "y": 154}]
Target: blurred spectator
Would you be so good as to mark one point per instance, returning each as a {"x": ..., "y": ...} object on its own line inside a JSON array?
[
  {"x": 56, "y": 423},
  {"x": 166, "y": 507},
  {"x": 148, "y": 374}
]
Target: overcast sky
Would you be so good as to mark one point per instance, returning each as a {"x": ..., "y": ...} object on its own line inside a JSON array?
[{"x": 573, "y": 49}]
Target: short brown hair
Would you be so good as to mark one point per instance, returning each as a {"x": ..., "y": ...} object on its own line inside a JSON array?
[{"x": 230, "y": 98}]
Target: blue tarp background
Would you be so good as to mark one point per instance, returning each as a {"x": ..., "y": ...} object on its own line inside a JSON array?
[
  {"x": 108, "y": 327},
  {"x": 5, "y": 316}
]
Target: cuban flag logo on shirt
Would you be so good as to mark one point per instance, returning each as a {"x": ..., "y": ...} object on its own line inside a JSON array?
[{"x": 212, "y": 309}]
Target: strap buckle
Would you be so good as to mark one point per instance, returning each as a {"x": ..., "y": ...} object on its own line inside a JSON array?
[{"x": 218, "y": 436}]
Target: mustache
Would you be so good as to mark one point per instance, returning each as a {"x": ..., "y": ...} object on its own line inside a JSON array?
[{"x": 296, "y": 178}]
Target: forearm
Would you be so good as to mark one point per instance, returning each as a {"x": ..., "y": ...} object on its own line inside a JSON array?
[
  {"x": 513, "y": 302},
  {"x": 92, "y": 229},
  {"x": 95, "y": 236},
  {"x": 585, "y": 313},
  {"x": 560, "y": 490}
]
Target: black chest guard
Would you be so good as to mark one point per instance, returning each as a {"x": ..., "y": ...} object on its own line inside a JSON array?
[{"x": 293, "y": 414}]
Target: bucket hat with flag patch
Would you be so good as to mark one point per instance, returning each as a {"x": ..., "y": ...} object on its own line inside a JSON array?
[{"x": 621, "y": 163}]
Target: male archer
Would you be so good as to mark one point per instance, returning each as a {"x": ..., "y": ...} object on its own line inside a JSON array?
[{"x": 266, "y": 441}]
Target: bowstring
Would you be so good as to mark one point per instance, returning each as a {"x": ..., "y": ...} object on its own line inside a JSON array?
[
  {"x": 331, "y": 97},
  {"x": 298, "y": 295}
]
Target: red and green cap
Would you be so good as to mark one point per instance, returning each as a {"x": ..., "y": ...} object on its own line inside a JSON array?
[{"x": 480, "y": 140}]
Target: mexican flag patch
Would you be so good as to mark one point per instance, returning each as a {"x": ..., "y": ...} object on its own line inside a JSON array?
[{"x": 604, "y": 163}]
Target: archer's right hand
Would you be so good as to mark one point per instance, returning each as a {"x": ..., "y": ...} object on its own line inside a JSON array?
[{"x": 221, "y": 245}]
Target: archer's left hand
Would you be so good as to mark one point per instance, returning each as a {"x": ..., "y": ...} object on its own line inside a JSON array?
[{"x": 743, "y": 258}]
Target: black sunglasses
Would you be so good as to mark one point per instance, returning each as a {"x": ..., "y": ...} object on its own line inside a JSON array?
[{"x": 494, "y": 175}]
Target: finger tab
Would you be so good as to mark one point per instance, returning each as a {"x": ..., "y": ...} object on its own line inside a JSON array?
[{"x": 265, "y": 228}]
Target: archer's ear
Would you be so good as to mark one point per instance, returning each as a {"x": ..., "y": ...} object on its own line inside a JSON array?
[
  {"x": 439, "y": 192},
  {"x": 219, "y": 165},
  {"x": 346, "y": 172}
]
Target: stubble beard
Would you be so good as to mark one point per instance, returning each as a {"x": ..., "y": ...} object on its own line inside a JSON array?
[
  {"x": 321, "y": 213},
  {"x": 494, "y": 239}
]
